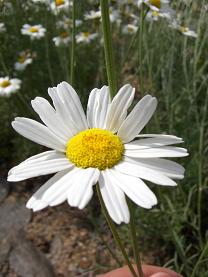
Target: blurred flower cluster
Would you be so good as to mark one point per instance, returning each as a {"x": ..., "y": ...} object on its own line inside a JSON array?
[{"x": 124, "y": 16}]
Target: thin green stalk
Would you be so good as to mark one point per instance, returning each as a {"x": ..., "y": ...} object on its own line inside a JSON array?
[
  {"x": 114, "y": 232},
  {"x": 47, "y": 55},
  {"x": 141, "y": 49},
  {"x": 199, "y": 260},
  {"x": 200, "y": 186},
  {"x": 73, "y": 44},
  {"x": 6, "y": 71},
  {"x": 108, "y": 48},
  {"x": 185, "y": 69},
  {"x": 132, "y": 227},
  {"x": 112, "y": 253}
]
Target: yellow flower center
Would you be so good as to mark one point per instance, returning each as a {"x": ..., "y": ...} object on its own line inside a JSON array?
[
  {"x": 64, "y": 35},
  {"x": 5, "y": 84},
  {"x": 95, "y": 148},
  {"x": 130, "y": 29},
  {"x": 33, "y": 30},
  {"x": 156, "y": 3},
  {"x": 86, "y": 34},
  {"x": 155, "y": 13},
  {"x": 22, "y": 59},
  {"x": 183, "y": 29},
  {"x": 59, "y": 2}
]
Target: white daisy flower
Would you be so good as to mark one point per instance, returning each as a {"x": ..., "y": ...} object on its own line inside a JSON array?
[
  {"x": 34, "y": 31},
  {"x": 92, "y": 15},
  {"x": 155, "y": 15},
  {"x": 60, "y": 5},
  {"x": 85, "y": 37},
  {"x": 99, "y": 147},
  {"x": 2, "y": 27},
  {"x": 25, "y": 58},
  {"x": 130, "y": 29},
  {"x": 62, "y": 40},
  {"x": 187, "y": 32},
  {"x": 114, "y": 16},
  {"x": 183, "y": 29},
  {"x": 154, "y": 4},
  {"x": 66, "y": 23},
  {"x": 9, "y": 86}
]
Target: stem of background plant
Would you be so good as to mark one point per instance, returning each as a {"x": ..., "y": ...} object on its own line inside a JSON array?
[
  {"x": 200, "y": 185},
  {"x": 132, "y": 227},
  {"x": 114, "y": 232},
  {"x": 6, "y": 71},
  {"x": 203, "y": 253},
  {"x": 47, "y": 54},
  {"x": 108, "y": 48},
  {"x": 73, "y": 44},
  {"x": 112, "y": 253},
  {"x": 141, "y": 26}
]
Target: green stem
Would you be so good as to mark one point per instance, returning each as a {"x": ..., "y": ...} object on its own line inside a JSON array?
[
  {"x": 140, "y": 49},
  {"x": 114, "y": 232},
  {"x": 47, "y": 54},
  {"x": 132, "y": 227},
  {"x": 73, "y": 44},
  {"x": 112, "y": 253},
  {"x": 199, "y": 260},
  {"x": 200, "y": 186},
  {"x": 108, "y": 48},
  {"x": 6, "y": 71}
]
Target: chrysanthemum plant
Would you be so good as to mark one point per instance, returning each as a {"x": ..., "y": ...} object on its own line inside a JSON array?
[{"x": 103, "y": 148}]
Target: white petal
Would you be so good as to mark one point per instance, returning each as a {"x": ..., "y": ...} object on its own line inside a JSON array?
[
  {"x": 114, "y": 199},
  {"x": 138, "y": 118},
  {"x": 144, "y": 173},
  {"x": 73, "y": 105},
  {"x": 117, "y": 111},
  {"x": 152, "y": 142},
  {"x": 134, "y": 188},
  {"x": 166, "y": 167},
  {"x": 91, "y": 106},
  {"x": 157, "y": 152},
  {"x": 38, "y": 133},
  {"x": 41, "y": 164},
  {"x": 63, "y": 112},
  {"x": 158, "y": 136},
  {"x": 50, "y": 118},
  {"x": 61, "y": 187},
  {"x": 36, "y": 202},
  {"x": 97, "y": 107},
  {"x": 80, "y": 193}
]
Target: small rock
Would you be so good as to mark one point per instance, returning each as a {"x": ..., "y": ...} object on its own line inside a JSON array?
[
  {"x": 27, "y": 261},
  {"x": 14, "y": 216},
  {"x": 85, "y": 263}
]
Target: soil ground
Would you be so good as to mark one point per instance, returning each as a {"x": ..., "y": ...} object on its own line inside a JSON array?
[{"x": 57, "y": 241}]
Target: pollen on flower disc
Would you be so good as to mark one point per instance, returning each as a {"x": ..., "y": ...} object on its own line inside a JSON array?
[
  {"x": 95, "y": 148},
  {"x": 5, "y": 83},
  {"x": 156, "y": 3}
]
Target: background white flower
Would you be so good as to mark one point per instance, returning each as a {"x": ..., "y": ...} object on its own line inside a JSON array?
[
  {"x": 25, "y": 58},
  {"x": 34, "y": 31},
  {"x": 92, "y": 15},
  {"x": 85, "y": 37},
  {"x": 130, "y": 29},
  {"x": 9, "y": 86},
  {"x": 2, "y": 27},
  {"x": 60, "y": 5},
  {"x": 97, "y": 148},
  {"x": 63, "y": 39}
]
